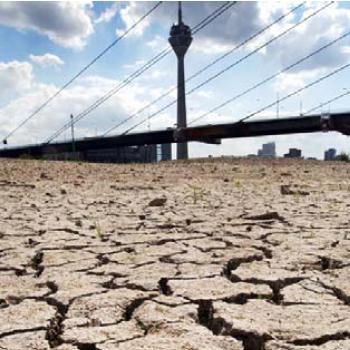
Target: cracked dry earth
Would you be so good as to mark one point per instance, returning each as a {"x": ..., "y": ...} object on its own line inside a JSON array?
[{"x": 228, "y": 254}]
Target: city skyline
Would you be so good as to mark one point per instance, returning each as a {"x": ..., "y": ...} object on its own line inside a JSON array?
[{"x": 269, "y": 150}]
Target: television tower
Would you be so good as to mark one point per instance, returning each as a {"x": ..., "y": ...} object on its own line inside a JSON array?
[{"x": 180, "y": 39}]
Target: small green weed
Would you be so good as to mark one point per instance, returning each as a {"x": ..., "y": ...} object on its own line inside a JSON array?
[
  {"x": 237, "y": 183},
  {"x": 196, "y": 193},
  {"x": 99, "y": 232}
]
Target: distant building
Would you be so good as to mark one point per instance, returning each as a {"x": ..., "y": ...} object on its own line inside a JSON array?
[
  {"x": 165, "y": 151},
  {"x": 293, "y": 153},
  {"x": 330, "y": 154},
  {"x": 268, "y": 150},
  {"x": 127, "y": 154}
]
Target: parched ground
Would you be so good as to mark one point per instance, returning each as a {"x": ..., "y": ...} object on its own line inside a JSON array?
[{"x": 228, "y": 254}]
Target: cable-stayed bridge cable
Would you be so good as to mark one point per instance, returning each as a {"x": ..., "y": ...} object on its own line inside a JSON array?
[
  {"x": 311, "y": 15},
  {"x": 221, "y": 72},
  {"x": 218, "y": 12},
  {"x": 202, "y": 24},
  {"x": 246, "y": 41},
  {"x": 110, "y": 93},
  {"x": 325, "y": 103},
  {"x": 69, "y": 82},
  {"x": 203, "y": 69},
  {"x": 273, "y": 76},
  {"x": 313, "y": 83}
]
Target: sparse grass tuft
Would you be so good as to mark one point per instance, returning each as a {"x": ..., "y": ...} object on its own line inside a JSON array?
[
  {"x": 98, "y": 229},
  {"x": 237, "y": 183},
  {"x": 141, "y": 325},
  {"x": 196, "y": 193}
]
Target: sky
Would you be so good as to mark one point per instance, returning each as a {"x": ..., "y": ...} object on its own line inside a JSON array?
[{"x": 44, "y": 44}]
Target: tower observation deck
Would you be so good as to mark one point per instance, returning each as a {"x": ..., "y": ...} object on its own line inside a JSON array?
[{"x": 180, "y": 39}]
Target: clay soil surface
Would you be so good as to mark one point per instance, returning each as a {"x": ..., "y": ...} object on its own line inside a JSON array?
[{"x": 228, "y": 254}]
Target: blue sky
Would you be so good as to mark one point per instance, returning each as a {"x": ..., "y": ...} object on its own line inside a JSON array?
[{"x": 40, "y": 52}]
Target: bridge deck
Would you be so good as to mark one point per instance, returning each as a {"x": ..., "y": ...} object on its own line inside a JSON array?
[{"x": 339, "y": 122}]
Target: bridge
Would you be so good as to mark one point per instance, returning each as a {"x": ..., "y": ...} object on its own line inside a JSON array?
[{"x": 207, "y": 133}]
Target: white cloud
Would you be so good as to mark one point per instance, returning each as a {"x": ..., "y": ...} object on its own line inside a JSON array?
[
  {"x": 71, "y": 101},
  {"x": 134, "y": 65},
  {"x": 157, "y": 43},
  {"x": 131, "y": 13},
  {"x": 230, "y": 28},
  {"x": 244, "y": 15},
  {"x": 47, "y": 60},
  {"x": 107, "y": 15},
  {"x": 68, "y": 24},
  {"x": 209, "y": 47},
  {"x": 246, "y": 18},
  {"x": 205, "y": 94},
  {"x": 154, "y": 74},
  {"x": 288, "y": 82},
  {"x": 15, "y": 76},
  {"x": 313, "y": 34}
]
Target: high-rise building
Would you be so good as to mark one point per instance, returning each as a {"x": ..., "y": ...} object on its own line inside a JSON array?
[
  {"x": 330, "y": 154},
  {"x": 180, "y": 39},
  {"x": 268, "y": 150},
  {"x": 165, "y": 151},
  {"x": 293, "y": 153}
]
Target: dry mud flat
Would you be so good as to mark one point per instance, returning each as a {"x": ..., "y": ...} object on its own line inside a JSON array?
[{"x": 224, "y": 254}]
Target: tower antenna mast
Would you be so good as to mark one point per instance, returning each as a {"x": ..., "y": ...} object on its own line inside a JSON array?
[{"x": 180, "y": 12}]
